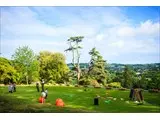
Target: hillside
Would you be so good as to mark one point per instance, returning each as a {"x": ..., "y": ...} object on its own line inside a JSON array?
[{"x": 119, "y": 67}]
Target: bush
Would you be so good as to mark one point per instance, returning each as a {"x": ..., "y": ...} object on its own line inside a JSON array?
[
  {"x": 122, "y": 89},
  {"x": 108, "y": 88},
  {"x": 153, "y": 90},
  {"x": 115, "y": 85},
  {"x": 95, "y": 83},
  {"x": 52, "y": 82},
  {"x": 76, "y": 85}
]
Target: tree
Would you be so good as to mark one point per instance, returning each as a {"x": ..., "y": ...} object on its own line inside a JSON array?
[
  {"x": 97, "y": 67},
  {"x": 25, "y": 62},
  {"x": 52, "y": 67},
  {"x": 74, "y": 48},
  {"x": 129, "y": 77},
  {"x": 152, "y": 78},
  {"x": 7, "y": 71}
]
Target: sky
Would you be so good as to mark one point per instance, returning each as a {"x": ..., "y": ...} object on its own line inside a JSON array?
[{"x": 127, "y": 35}]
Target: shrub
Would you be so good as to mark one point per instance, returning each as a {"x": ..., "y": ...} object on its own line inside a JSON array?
[
  {"x": 122, "y": 89},
  {"x": 153, "y": 90},
  {"x": 108, "y": 88},
  {"x": 95, "y": 83},
  {"x": 115, "y": 85},
  {"x": 76, "y": 85},
  {"x": 52, "y": 82}
]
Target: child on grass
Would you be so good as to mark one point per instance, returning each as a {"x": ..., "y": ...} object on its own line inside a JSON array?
[{"x": 42, "y": 98}]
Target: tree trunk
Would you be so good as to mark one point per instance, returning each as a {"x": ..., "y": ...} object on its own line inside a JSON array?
[
  {"x": 27, "y": 79},
  {"x": 78, "y": 74}
]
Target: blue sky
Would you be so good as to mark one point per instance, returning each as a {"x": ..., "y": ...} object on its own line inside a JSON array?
[{"x": 121, "y": 34}]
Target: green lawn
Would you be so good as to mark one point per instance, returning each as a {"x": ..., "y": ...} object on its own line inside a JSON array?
[{"x": 76, "y": 100}]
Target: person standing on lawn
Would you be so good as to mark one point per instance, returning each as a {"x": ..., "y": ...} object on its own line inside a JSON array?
[
  {"x": 37, "y": 86},
  {"x": 10, "y": 88},
  {"x": 131, "y": 95},
  {"x": 14, "y": 87},
  {"x": 42, "y": 83},
  {"x": 46, "y": 91}
]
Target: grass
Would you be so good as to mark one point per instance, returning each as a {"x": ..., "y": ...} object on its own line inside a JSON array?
[{"x": 25, "y": 100}]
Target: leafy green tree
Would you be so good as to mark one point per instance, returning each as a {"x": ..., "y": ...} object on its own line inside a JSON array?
[
  {"x": 25, "y": 62},
  {"x": 129, "y": 77},
  {"x": 97, "y": 67},
  {"x": 74, "y": 47},
  {"x": 7, "y": 71},
  {"x": 153, "y": 79},
  {"x": 53, "y": 67}
]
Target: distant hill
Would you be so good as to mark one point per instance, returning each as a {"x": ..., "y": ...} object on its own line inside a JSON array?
[{"x": 114, "y": 67}]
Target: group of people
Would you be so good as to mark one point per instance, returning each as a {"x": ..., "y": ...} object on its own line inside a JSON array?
[
  {"x": 44, "y": 93},
  {"x": 12, "y": 87}
]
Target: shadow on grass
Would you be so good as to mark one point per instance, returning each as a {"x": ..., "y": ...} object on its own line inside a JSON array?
[
  {"x": 25, "y": 100},
  {"x": 11, "y": 104}
]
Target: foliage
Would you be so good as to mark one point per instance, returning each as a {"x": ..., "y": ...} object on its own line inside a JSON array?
[
  {"x": 110, "y": 77},
  {"x": 115, "y": 85},
  {"x": 152, "y": 79},
  {"x": 74, "y": 47},
  {"x": 52, "y": 66},
  {"x": 26, "y": 64},
  {"x": 95, "y": 83},
  {"x": 128, "y": 77},
  {"x": 7, "y": 71},
  {"x": 97, "y": 67}
]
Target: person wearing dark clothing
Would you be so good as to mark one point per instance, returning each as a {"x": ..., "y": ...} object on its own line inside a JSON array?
[
  {"x": 46, "y": 91},
  {"x": 131, "y": 95},
  {"x": 14, "y": 87},
  {"x": 37, "y": 86},
  {"x": 42, "y": 83}
]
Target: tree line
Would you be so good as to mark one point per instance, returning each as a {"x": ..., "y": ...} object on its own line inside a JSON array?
[{"x": 26, "y": 67}]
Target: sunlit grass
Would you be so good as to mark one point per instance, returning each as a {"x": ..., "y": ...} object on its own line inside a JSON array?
[{"x": 75, "y": 99}]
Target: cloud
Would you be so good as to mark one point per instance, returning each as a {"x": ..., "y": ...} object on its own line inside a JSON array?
[
  {"x": 147, "y": 28},
  {"x": 108, "y": 29}
]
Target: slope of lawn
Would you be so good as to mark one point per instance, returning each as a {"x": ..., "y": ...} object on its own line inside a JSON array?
[{"x": 76, "y": 100}]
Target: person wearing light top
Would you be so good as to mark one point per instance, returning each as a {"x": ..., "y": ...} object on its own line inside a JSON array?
[
  {"x": 43, "y": 95},
  {"x": 10, "y": 88}
]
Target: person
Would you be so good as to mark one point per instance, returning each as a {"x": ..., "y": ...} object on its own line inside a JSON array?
[
  {"x": 131, "y": 95},
  {"x": 41, "y": 100},
  {"x": 14, "y": 87},
  {"x": 10, "y": 88},
  {"x": 42, "y": 83},
  {"x": 46, "y": 91},
  {"x": 37, "y": 86},
  {"x": 42, "y": 97}
]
